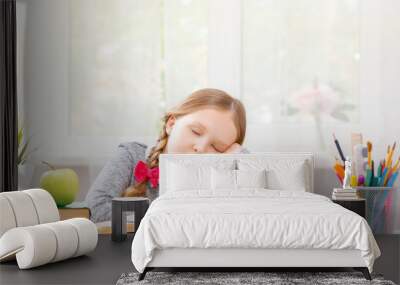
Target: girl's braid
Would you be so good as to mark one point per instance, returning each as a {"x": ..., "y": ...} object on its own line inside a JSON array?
[
  {"x": 139, "y": 189},
  {"x": 152, "y": 160}
]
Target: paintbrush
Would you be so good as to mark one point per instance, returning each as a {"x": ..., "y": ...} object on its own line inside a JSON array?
[
  {"x": 389, "y": 161},
  {"x": 338, "y": 148},
  {"x": 369, "y": 147}
]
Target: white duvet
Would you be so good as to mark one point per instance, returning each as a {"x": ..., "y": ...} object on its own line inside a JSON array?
[{"x": 251, "y": 218}]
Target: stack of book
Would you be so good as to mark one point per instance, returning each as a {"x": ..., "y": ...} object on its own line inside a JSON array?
[
  {"x": 345, "y": 194},
  {"x": 74, "y": 210},
  {"x": 81, "y": 210},
  {"x": 104, "y": 228}
]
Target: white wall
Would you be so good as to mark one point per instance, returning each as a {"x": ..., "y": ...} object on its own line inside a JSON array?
[{"x": 44, "y": 92}]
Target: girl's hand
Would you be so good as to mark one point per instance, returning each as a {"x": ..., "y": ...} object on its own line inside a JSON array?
[
  {"x": 234, "y": 148},
  {"x": 132, "y": 191}
]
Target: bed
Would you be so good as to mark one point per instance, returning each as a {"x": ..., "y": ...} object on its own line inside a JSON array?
[{"x": 245, "y": 211}]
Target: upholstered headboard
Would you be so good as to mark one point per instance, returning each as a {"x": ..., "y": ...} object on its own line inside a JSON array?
[{"x": 281, "y": 164}]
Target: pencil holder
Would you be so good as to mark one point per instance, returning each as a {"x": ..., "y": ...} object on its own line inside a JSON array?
[{"x": 379, "y": 203}]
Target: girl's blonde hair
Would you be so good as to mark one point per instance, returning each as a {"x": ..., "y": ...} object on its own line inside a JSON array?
[{"x": 198, "y": 100}]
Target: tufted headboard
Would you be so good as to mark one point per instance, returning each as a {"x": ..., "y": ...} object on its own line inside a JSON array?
[{"x": 285, "y": 166}]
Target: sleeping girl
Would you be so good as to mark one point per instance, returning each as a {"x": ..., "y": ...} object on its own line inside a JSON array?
[{"x": 208, "y": 121}]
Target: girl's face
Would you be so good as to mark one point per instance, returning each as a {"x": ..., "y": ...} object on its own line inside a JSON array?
[{"x": 203, "y": 131}]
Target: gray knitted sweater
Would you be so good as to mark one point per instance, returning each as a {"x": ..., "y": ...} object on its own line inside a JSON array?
[{"x": 115, "y": 177}]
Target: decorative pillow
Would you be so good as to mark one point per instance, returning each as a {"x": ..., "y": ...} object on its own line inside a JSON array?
[
  {"x": 181, "y": 177},
  {"x": 292, "y": 178},
  {"x": 281, "y": 173},
  {"x": 189, "y": 174},
  {"x": 223, "y": 179},
  {"x": 226, "y": 179},
  {"x": 251, "y": 178}
]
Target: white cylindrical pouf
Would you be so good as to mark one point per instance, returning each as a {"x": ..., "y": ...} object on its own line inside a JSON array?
[
  {"x": 35, "y": 245},
  {"x": 67, "y": 239},
  {"x": 45, "y": 205},
  {"x": 31, "y": 232},
  {"x": 7, "y": 218},
  {"x": 87, "y": 234},
  {"x": 23, "y": 208}
]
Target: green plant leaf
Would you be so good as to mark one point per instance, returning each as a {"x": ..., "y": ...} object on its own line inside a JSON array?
[
  {"x": 340, "y": 116},
  {"x": 21, "y": 155},
  {"x": 23, "y": 152},
  {"x": 30, "y": 152},
  {"x": 20, "y": 135}
]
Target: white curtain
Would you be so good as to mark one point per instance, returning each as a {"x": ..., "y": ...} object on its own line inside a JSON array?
[{"x": 129, "y": 60}]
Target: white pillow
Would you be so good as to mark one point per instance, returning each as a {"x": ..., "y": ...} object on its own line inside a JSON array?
[
  {"x": 226, "y": 179},
  {"x": 251, "y": 178},
  {"x": 223, "y": 179},
  {"x": 293, "y": 178},
  {"x": 193, "y": 174},
  {"x": 182, "y": 177},
  {"x": 282, "y": 174}
]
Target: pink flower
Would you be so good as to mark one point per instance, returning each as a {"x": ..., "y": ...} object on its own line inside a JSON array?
[{"x": 315, "y": 99}]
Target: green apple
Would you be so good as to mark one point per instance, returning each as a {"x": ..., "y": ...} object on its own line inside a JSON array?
[{"x": 62, "y": 184}]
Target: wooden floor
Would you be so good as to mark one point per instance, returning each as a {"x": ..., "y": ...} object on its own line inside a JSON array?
[{"x": 111, "y": 259}]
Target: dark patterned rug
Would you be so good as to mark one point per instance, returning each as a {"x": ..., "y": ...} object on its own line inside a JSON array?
[{"x": 226, "y": 278}]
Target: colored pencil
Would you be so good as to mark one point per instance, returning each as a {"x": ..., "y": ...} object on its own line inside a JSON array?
[
  {"x": 396, "y": 165},
  {"x": 393, "y": 179},
  {"x": 373, "y": 168}
]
